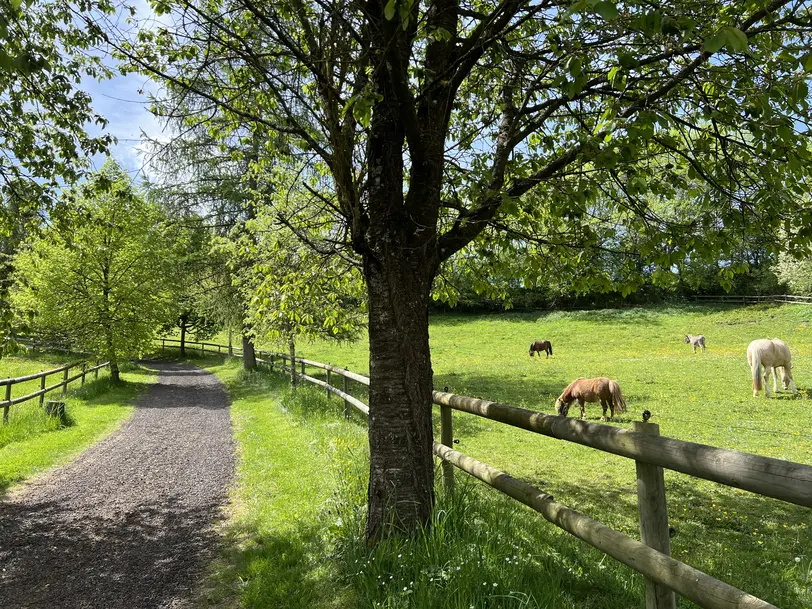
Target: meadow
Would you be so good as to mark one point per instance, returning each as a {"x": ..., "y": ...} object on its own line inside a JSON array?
[
  {"x": 32, "y": 442},
  {"x": 483, "y": 550}
]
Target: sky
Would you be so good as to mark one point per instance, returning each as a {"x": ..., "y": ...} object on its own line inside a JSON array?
[{"x": 124, "y": 102}]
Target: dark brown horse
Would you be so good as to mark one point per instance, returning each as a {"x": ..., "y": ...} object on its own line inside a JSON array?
[
  {"x": 603, "y": 390},
  {"x": 541, "y": 346}
]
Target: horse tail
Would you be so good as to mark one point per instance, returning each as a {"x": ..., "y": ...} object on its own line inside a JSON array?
[
  {"x": 617, "y": 396},
  {"x": 550, "y": 347},
  {"x": 754, "y": 359}
]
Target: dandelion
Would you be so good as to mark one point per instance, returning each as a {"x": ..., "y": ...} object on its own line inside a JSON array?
[
  {"x": 797, "y": 559},
  {"x": 494, "y": 584}
]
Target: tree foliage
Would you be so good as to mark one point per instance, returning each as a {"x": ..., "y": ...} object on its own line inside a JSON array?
[{"x": 103, "y": 276}]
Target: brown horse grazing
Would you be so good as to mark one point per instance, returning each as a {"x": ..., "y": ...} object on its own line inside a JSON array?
[
  {"x": 541, "y": 346},
  {"x": 603, "y": 390}
]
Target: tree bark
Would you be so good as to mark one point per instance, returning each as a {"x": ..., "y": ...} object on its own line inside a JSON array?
[
  {"x": 292, "y": 352},
  {"x": 401, "y": 476},
  {"x": 230, "y": 343},
  {"x": 183, "y": 335},
  {"x": 249, "y": 357},
  {"x": 115, "y": 375}
]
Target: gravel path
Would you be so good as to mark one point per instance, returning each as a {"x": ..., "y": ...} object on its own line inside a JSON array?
[{"x": 129, "y": 523}]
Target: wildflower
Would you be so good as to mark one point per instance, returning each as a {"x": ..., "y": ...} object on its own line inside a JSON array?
[
  {"x": 494, "y": 584},
  {"x": 797, "y": 559}
]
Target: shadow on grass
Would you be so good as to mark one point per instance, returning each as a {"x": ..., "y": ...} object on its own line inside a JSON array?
[{"x": 284, "y": 568}]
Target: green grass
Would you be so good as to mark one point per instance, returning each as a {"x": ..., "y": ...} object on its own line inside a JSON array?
[
  {"x": 288, "y": 470},
  {"x": 32, "y": 442},
  {"x": 760, "y": 545}
]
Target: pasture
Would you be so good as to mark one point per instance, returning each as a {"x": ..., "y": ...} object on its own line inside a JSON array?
[
  {"x": 509, "y": 557},
  {"x": 32, "y": 442}
]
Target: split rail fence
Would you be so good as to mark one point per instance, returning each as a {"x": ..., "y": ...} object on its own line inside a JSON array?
[
  {"x": 8, "y": 383},
  {"x": 664, "y": 575}
]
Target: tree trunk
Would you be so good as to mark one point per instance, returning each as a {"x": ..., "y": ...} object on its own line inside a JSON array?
[
  {"x": 230, "y": 343},
  {"x": 401, "y": 476},
  {"x": 292, "y": 352},
  {"x": 183, "y": 336},
  {"x": 249, "y": 357},
  {"x": 115, "y": 375}
]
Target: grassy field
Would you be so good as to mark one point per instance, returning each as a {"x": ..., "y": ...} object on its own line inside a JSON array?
[
  {"x": 31, "y": 442},
  {"x": 761, "y": 545}
]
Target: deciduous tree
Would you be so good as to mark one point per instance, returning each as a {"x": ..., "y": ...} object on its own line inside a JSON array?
[
  {"x": 438, "y": 123},
  {"x": 103, "y": 276}
]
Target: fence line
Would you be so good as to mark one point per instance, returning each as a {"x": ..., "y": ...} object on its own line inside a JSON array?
[
  {"x": 733, "y": 299},
  {"x": 766, "y": 476},
  {"x": 66, "y": 380}
]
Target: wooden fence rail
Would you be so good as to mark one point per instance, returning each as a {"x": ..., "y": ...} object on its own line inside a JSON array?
[
  {"x": 785, "y": 480},
  {"x": 744, "y": 299},
  {"x": 63, "y": 384}
]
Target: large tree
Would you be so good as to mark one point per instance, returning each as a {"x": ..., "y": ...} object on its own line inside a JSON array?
[
  {"x": 103, "y": 276},
  {"x": 442, "y": 122}
]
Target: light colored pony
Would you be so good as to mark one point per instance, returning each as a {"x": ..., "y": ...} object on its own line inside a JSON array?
[
  {"x": 603, "y": 390},
  {"x": 695, "y": 341},
  {"x": 771, "y": 354}
]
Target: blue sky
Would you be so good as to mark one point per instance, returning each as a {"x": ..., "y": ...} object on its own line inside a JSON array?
[{"x": 123, "y": 102}]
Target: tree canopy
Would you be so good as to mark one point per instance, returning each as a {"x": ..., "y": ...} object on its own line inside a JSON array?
[{"x": 103, "y": 277}]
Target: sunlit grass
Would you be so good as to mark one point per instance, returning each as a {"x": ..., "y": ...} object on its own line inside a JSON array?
[{"x": 757, "y": 544}]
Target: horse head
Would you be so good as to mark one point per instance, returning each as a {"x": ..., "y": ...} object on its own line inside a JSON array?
[
  {"x": 562, "y": 407},
  {"x": 687, "y": 338}
]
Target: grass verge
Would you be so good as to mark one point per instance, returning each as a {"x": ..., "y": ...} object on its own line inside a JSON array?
[{"x": 32, "y": 442}]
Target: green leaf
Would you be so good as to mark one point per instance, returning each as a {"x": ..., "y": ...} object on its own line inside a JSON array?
[
  {"x": 736, "y": 39},
  {"x": 389, "y": 10},
  {"x": 806, "y": 62},
  {"x": 715, "y": 42},
  {"x": 607, "y": 10},
  {"x": 15, "y": 4}
]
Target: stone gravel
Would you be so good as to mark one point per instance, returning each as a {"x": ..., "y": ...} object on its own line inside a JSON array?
[{"x": 131, "y": 522}]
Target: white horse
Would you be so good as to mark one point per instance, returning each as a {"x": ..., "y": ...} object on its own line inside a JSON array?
[
  {"x": 771, "y": 354},
  {"x": 695, "y": 341}
]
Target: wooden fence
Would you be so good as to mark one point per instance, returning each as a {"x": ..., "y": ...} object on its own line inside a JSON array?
[
  {"x": 8, "y": 402},
  {"x": 730, "y": 299},
  {"x": 664, "y": 575}
]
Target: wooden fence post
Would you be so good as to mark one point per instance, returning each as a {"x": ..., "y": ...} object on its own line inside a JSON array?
[
  {"x": 42, "y": 388},
  {"x": 7, "y": 405},
  {"x": 447, "y": 439},
  {"x": 96, "y": 373},
  {"x": 84, "y": 372},
  {"x": 303, "y": 370},
  {"x": 202, "y": 348},
  {"x": 347, "y": 391},
  {"x": 273, "y": 359},
  {"x": 65, "y": 382},
  {"x": 163, "y": 344},
  {"x": 328, "y": 383},
  {"x": 653, "y": 519}
]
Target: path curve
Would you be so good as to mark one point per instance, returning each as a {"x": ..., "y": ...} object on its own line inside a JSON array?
[{"x": 128, "y": 524}]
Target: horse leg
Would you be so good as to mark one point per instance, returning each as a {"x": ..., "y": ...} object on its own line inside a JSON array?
[
  {"x": 775, "y": 379},
  {"x": 583, "y": 410},
  {"x": 767, "y": 393},
  {"x": 603, "y": 406}
]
